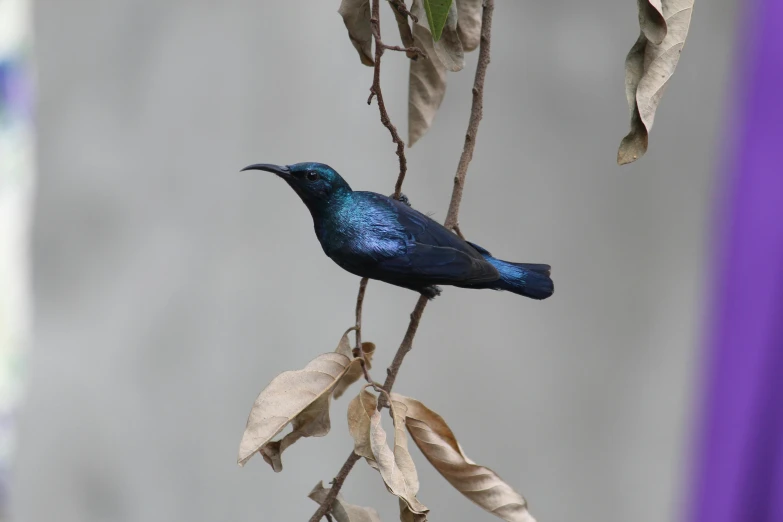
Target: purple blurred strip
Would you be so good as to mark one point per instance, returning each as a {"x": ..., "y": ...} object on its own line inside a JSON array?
[{"x": 738, "y": 476}]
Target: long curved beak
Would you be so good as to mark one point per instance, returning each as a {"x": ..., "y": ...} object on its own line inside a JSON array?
[{"x": 282, "y": 171}]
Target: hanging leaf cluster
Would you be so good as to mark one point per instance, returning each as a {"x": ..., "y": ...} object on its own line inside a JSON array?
[
  {"x": 443, "y": 29},
  {"x": 650, "y": 65},
  {"x": 446, "y": 29},
  {"x": 302, "y": 398}
]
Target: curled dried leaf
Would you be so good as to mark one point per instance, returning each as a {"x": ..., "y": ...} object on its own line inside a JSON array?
[
  {"x": 480, "y": 484},
  {"x": 648, "y": 69},
  {"x": 427, "y": 80},
  {"x": 355, "y": 372},
  {"x": 398, "y": 473},
  {"x": 360, "y": 411},
  {"x": 469, "y": 23},
  {"x": 395, "y": 466},
  {"x": 651, "y": 20},
  {"x": 342, "y": 510},
  {"x": 356, "y": 15},
  {"x": 449, "y": 47},
  {"x": 300, "y": 398}
]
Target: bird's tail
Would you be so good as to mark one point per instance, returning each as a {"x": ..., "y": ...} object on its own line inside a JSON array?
[{"x": 528, "y": 279}]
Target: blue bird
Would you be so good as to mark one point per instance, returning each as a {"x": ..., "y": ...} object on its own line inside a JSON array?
[{"x": 375, "y": 236}]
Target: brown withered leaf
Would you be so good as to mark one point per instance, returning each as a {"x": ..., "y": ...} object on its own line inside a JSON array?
[
  {"x": 342, "y": 510},
  {"x": 649, "y": 67},
  {"x": 449, "y": 47},
  {"x": 354, "y": 373},
  {"x": 406, "y": 515},
  {"x": 360, "y": 411},
  {"x": 397, "y": 471},
  {"x": 356, "y": 15},
  {"x": 427, "y": 80},
  {"x": 300, "y": 398},
  {"x": 651, "y": 20},
  {"x": 395, "y": 466},
  {"x": 469, "y": 23},
  {"x": 478, "y": 483}
]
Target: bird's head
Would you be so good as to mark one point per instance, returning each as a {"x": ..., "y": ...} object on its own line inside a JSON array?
[{"x": 315, "y": 183}]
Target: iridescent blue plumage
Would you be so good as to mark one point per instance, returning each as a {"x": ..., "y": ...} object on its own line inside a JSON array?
[{"x": 375, "y": 236}]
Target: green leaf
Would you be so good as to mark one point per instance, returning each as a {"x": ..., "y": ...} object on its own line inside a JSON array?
[{"x": 437, "y": 13}]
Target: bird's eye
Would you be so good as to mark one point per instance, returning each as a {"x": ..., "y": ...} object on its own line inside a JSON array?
[{"x": 312, "y": 176}]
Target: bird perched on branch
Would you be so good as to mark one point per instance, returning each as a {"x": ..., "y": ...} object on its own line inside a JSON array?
[{"x": 375, "y": 236}]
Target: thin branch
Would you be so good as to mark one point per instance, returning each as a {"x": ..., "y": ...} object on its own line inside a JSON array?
[
  {"x": 476, "y": 112},
  {"x": 405, "y": 347},
  {"x": 399, "y": 6},
  {"x": 401, "y": 15},
  {"x": 452, "y": 221},
  {"x": 375, "y": 90},
  {"x": 337, "y": 483},
  {"x": 412, "y": 52},
  {"x": 359, "y": 350}
]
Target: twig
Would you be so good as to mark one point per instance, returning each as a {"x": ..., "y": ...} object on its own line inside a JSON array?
[
  {"x": 401, "y": 14},
  {"x": 337, "y": 483},
  {"x": 359, "y": 350},
  {"x": 476, "y": 112},
  {"x": 405, "y": 347},
  {"x": 399, "y": 6},
  {"x": 375, "y": 90},
  {"x": 328, "y": 518},
  {"x": 415, "y": 51},
  {"x": 451, "y": 218}
]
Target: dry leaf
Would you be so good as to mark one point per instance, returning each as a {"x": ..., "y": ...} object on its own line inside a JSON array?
[
  {"x": 360, "y": 410},
  {"x": 355, "y": 372},
  {"x": 406, "y": 515},
  {"x": 342, "y": 510},
  {"x": 396, "y": 467},
  {"x": 401, "y": 481},
  {"x": 651, "y": 20},
  {"x": 478, "y": 483},
  {"x": 356, "y": 15},
  {"x": 648, "y": 68},
  {"x": 449, "y": 47},
  {"x": 469, "y": 23},
  {"x": 427, "y": 81},
  {"x": 298, "y": 397}
]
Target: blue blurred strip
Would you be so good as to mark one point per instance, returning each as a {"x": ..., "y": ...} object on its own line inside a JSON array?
[{"x": 738, "y": 473}]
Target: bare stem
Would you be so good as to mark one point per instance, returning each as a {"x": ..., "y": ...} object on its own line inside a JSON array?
[
  {"x": 401, "y": 14},
  {"x": 337, "y": 483},
  {"x": 476, "y": 112},
  {"x": 452, "y": 221},
  {"x": 359, "y": 350},
  {"x": 405, "y": 347},
  {"x": 375, "y": 91}
]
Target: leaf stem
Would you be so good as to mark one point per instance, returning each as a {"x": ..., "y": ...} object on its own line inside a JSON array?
[{"x": 452, "y": 221}]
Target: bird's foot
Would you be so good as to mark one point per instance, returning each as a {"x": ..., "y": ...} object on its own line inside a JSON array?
[
  {"x": 431, "y": 292},
  {"x": 404, "y": 199}
]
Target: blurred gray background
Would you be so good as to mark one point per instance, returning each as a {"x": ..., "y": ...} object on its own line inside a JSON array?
[{"x": 170, "y": 288}]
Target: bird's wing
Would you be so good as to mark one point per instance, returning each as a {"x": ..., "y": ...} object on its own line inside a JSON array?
[
  {"x": 438, "y": 265},
  {"x": 433, "y": 253}
]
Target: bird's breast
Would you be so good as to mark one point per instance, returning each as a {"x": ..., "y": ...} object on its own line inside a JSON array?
[{"x": 362, "y": 232}]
